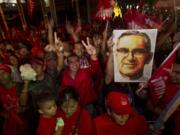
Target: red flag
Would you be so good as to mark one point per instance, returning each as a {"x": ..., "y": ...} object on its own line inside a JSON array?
[
  {"x": 158, "y": 81},
  {"x": 31, "y": 5},
  {"x": 105, "y": 9},
  {"x": 134, "y": 19}
]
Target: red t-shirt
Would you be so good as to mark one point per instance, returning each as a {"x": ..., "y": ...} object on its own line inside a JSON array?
[
  {"x": 13, "y": 124},
  {"x": 85, "y": 126},
  {"x": 135, "y": 125},
  {"x": 9, "y": 99},
  {"x": 47, "y": 125},
  {"x": 83, "y": 82}
]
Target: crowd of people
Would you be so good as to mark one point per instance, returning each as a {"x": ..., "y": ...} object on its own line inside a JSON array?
[{"x": 74, "y": 92}]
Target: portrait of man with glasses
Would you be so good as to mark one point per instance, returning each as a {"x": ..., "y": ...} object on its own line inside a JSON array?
[{"x": 133, "y": 50}]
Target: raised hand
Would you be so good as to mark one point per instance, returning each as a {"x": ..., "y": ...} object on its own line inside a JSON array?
[
  {"x": 97, "y": 40},
  {"x": 91, "y": 50},
  {"x": 79, "y": 27},
  {"x": 50, "y": 23},
  {"x": 58, "y": 44}
]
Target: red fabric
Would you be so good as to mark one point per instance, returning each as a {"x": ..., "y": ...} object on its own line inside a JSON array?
[
  {"x": 171, "y": 91},
  {"x": 14, "y": 124},
  {"x": 18, "y": 34},
  {"x": 134, "y": 19},
  {"x": 104, "y": 4},
  {"x": 85, "y": 126},
  {"x": 98, "y": 81},
  {"x": 83, "y": 82},
  {"x": 158, "y": 81},
  {"x": 119, "y": 103},
  {"x": 9, "y": 99},
  {"x": 5, "y": 68},
  {"x": 34, "y": 37},
  {"x": 136, "y": 125},
  {"x": 31, "y": 6},
  {"x": 105, "y": 9},
  {"x": 47, "y": 125},
  {"x": 37, "y": 51}
]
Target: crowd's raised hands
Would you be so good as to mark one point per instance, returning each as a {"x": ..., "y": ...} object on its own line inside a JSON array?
[
  {"x": 91, "y": 50},
  {"x": 57, "y": 47}
]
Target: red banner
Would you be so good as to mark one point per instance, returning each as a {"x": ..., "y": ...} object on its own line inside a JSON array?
[
  {"x": 158, "y": 82},
  {"x": 31, "y": 5}
]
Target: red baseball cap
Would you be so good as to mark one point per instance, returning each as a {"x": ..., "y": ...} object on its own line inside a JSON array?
[
  {"x": 119, "y": 103},
  {"x": 37, "y": 61}
]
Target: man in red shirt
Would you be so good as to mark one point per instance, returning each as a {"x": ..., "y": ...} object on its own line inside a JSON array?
[
  {"x": 81, "y": 79},
  {"x": 120, "y": 118}
]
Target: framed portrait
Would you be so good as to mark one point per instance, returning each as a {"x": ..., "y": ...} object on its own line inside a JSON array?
[{"x": 133, "y": 53}]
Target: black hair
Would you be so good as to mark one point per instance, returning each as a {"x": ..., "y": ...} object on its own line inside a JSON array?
[
  {"x": 115, "y": 88},
  {"x": 44, "y": 96},
  {"x": 71, "y": 55},
  {"x": 146, "y": 38},
  {"x": 68, "y": 92}
]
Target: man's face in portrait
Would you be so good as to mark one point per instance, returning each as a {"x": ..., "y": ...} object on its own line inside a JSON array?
[{"x": 131, "y": 55}]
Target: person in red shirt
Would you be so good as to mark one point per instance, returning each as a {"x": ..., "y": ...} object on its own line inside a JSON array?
[
  {"x": 11, "y": 103},
  {"x": 120, "y": 118},
  {"x": 82, "y": 79},
  {"x": 77, "y": 119},
  {"x": 49, "y": 115},
  {"x": 69, "y": 119}
]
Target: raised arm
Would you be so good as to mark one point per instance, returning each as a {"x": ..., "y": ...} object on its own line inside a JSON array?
[
  {"x": 104, "y": 42},
  {"x": 58, "y": 48},
  {"x": 110, "y": 63},
  {"x": 50, "y": 25},
  {"x": 91, "y": 50},
  {"x": 74, "y": 33}
]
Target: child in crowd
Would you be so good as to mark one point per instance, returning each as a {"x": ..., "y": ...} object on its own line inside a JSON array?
[
  {"x": 71, "y": 119},
  {"x": 50, "y": 122},
  {"x": 77, "y": 119}
]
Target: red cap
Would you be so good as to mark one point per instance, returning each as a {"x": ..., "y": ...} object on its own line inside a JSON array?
[
  {"x": 5, "y": 68},
  {"x": 37, "y": 61},
  {"x": 119, "y": 103}
]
